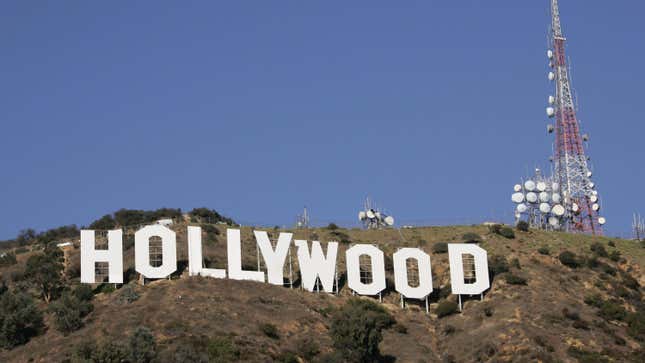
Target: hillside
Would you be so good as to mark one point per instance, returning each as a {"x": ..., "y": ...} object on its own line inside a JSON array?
[{"x": 538, "y": 310}]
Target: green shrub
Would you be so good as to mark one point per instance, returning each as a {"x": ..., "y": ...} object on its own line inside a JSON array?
[
  {"x": 608, "y": 269},
  {"x": 128, "y": 294},
  {"x": 594, "y": 300},
  {"x": 356, "y": 330},
  {"x": 44, "y": 271},
  {"x": 614, "y": 255},
  {"x": 498, "y": 265},
  {"x": 446, "y": 308},
  {"x": 571, "y": 315},
  {"x": 270, "y": 330},
  {"x": 400, "y": 328},
  {"x": 569, "y": 259},
  {"x": 205, "y": 215},
  {"x": 222, "y": 349},
  {"x": 440, "y": 247},
  {"x": 514, "y": 279},
  {"x": 612, "y": 310},
  {"x": 83, "y": 292},
  {"x": 308, "y": 348},
  {"x": 471, "y": 237},
  {"x": 630, "y": 282},
  {"x": 507, "y": 232},
  {"x": 636, "y": 325},
  {"x": 611, "y": 244},
  {"x": 20, "y": 319},
  {"x": 104, "y": 223},
  {"x": 332, "y": 226},
  {"x": 544, "y": 251},
  {"x": 7, "y": 259},
  {"x": 142, "y": 346},
  {"x": 495, "y": 228},
  {"x": 580, "y": 324},
  {"x": 515, "y": 263},
  {"x": 522, "y": 226},
  {"x": 599, "y": 249},
  {"x": 68, "y": 313},
  {"x": 584, "y": 356}
]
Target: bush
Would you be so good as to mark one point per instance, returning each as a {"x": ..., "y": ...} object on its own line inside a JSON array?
[
  {"x": 8, "y": 259},
  {"x": 580, "y": 324},
  {"x": 630, "y": 282},
  {"x": 356, "y": 330},
  {"x": 611, "y": 244},
  {"x": 68, "y": 312},
  {"x": 515, "y": 263},
  {"x": 522, "y": 226},
  {"x": 446, "y": 308},
  {"x": 332, "y": 226},
  {"x": 270, "y": 330},
  {"x": 514, "y": 279},
  {"x": 571, "y": 315},
  {"x": 44, "y": 270},
  {"x": 308, "y": 349},
  {"x": 608, "y": 270},
  {"x": 507, "y": 232},
  {"x": 142, "y": 346},
  {"x": 104, "y": 223},
  {"x": 612, "y": 310},
  {"x": 569, "y": 259},
  {"x": 584, "y": 356},
  {"x": 20, "y": 319},
  {"x": 636, "y": 325},
  {"x": 440, "y": 247},
  {"x": 471, "y": 238},
  {"x": 544, "y": 251},
  {"x": 594, "y": 300},
  {"x": 599, "y": 249},
  {"x": 128, "y": 294},
  {"x": 222, "y": 349},
  {"x": 615, "y": 256},
  {"x": 400, "y": 328},
  {"x": 83, "y": 292},
  {"x": 498, "y": 265}
]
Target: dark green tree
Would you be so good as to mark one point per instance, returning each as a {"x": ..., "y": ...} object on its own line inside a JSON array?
[
  {"x": 142, "y": 346},
  {"x": 44, "y": 270},
  {"x": 20, "y": 319}
]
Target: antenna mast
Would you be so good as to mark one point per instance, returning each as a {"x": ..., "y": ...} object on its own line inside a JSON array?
[{"x": 571, "y": 170}]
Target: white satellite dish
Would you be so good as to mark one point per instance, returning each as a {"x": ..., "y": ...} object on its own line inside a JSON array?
[
  {"x": 521, "y": 208},
  {"x": 550, "y": 111},
  {"x": 594, "y": 192},
  {"x": 554, "y": 221},
  {"x": 602, "y": 220},
  {"x": 550, "y": 128},
  {"x": 558, "y": 210},
  {"x": 529, "y": 185},
  {"x": 551, "y": 76},
  {"x": 517, "y": 198},
  {"x": 389, "y": 220},
  {"x": 549, "y": 54},
  {"x": 532, "y": 197},
  {"x": 517, "y": 188},
  {"x": 370, "y": 214},
  {"x": 595, "y": 207},
  {"x": 551, "y": 100},
  {"x": 544, "y": 197},
  {"x": 377, "y": 215},
  {"x": 593, "y": 198},
  {"x": 589, "y": 174},
  {"x": 541, "y": 186},
  {"x": 556, "y": 198},
  {"x": 361, "y": 215},
  {"x": 592, "y": 185},
  {"x": 575, "y": 207},
  {"x": 545, "y": 208},
  {"x": 555, "y": 187}
]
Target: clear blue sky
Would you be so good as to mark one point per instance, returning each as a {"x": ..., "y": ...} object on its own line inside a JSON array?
[{"x": 256, "y": 108}]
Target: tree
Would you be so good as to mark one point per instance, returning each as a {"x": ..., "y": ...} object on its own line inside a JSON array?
[
  {"x": 69, "y": 311},
  {"x": 44, "y": 270},
  {"x": 569, "y": 259},
  {"x": 356, "y": 330},
  {"x": 20, "y": 319}
]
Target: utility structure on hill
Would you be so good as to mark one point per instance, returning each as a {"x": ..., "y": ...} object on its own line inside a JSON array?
[{"x": 571, "y": 165}]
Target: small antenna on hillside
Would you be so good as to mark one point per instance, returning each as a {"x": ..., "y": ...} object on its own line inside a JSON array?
[{"x": 374, "y": 218}]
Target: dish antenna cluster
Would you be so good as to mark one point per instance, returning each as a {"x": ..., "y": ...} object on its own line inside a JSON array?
[
  {"x": 539, "y": 202},
  {"x": 373, "y": 218}
]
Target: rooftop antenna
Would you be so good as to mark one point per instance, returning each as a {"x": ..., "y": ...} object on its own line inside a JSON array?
[
  {"x": 302, "y": 220},
  {"x": 374, "y": 218}
]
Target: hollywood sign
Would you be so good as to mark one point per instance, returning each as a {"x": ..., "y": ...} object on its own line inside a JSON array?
[{"x": 314, "y": 263}]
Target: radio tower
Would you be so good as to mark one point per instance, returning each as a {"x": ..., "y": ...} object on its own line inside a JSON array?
[{"x": 571, "y": 170}]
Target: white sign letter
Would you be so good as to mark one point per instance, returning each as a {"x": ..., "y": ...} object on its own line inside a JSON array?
[
  {"x": 401, "y": 282},
  {"x": 455, "y": 255},
  {"x": 142, "y": 251},
  {"x": 274, "y": 259},
  {"x": 195, "y": 261},
  {"x": 354, "y": 269},
  {"x": 316, "y": 265},
  {"x": 113, "y": 256},
  {"x": 234, "y": 251}
]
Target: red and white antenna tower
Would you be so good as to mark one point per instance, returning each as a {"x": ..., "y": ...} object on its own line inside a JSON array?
[{"x": 571, "y": 168}]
